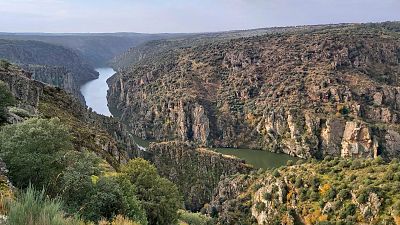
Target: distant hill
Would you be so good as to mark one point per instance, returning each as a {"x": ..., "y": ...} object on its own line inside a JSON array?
[
  {"x": 97, "y": 49},
  {"x": 49, "y": 63}
]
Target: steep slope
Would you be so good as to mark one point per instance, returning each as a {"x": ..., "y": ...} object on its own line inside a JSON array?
[
  {"x": 333, "y": 191},
  {"x": 49, "y": 63},
  {"x": 308, "y": 93}
]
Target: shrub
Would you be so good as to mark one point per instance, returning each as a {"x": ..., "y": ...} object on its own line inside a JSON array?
[
  {"x": 299, "y": 182},
  {"x": 362, "y": 197},
  {"x": 112, "y": 197},
  {"x": 34, "y": 208},
  {"x": 276, "y": 173},
  {"x": 6, "y": 100},
  {"x": 348, "y": 210},
  {"x": 194, "y": 218},
  {"x": 344, "y": 194},
  {"x": 4, "y": 64},
  {"x": 118, "y": 220},
  {"x": 160, "y": 197},
  {"x": 260, "y": 206},
  {"x": 76, "y": 182},
  {"x": 34, "y": 151},
  {"x": 267, "y": 196}
]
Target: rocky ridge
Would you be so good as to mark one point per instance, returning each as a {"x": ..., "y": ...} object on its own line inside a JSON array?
[{"x": 310, "y": 93}]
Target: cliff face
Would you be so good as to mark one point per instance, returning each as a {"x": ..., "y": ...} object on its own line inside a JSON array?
[
  {"x": 328, "y": 91},
  {"x": 196, "y": 171},
  {"x": 56, "y": 76},
  {"x": 102, "y": 135},
  {"x": 331, "y": 191}
]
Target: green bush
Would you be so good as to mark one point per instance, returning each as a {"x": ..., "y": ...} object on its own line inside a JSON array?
[
  {"x": 34, "y": 208},
  {"x": 6, "y": 100},
  {"x": 4, "y": 64},
  {"x": 160, "y": 197},
  {"x": 76, "y": 182},
  {"x": 348, "y": 210},
  {"x": 34, "y": 152},
  {"x": 267, "y": 196},
  {"x": 344, "y": 194},
  {"x": 194, "y": 218},
  {"x": 109, "y": 199},
  {"x": 97, "y": 197},
  {"x": 260, "y": 206}
]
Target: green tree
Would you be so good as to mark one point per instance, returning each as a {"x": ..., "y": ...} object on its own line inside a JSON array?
[
  {"x": 34, "y": 151},
  {"x": 94, "y": 197},
  {"x": 160, "y": 197},
  {"x": 4, "y": 64},
  {"x": 76, "y": 184},
  {"x": 113, "y": 196},
  {"x": 6, "y": 100}
]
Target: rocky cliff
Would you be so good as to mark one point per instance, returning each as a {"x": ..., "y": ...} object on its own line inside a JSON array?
[
  {"x": 308, "y": 93},
  {"x": 196, "y": 171},
  {"x": 56, "y": 76},
  {"x": 332, "y": 191}
]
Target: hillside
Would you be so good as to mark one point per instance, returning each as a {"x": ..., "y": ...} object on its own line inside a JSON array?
[
  {"x": 332, "y": 191},
  {"x": 307, "y": 93}
]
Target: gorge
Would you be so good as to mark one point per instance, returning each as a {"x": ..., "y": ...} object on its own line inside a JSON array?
[{"x": 295, "y": 125}]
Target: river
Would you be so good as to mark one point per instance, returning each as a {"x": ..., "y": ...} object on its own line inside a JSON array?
[{"x": 95, "y": 93}]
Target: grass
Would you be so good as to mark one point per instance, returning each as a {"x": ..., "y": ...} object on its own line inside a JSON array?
[{"x": 35, "y": 208}]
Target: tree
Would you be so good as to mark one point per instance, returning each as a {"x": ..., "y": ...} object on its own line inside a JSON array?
[
  {"x": 4, "y": 64},
  {"x": 111, "y": 197},
  {"x": 76, "y": 183},
  {"x": 34, "y": 151},
  {"x": 94, "y": 197},
  {"x": 160, "y": 197},
  {"x": 6, "y": 100}
]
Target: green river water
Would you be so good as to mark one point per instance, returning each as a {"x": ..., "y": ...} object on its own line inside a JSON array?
[{"x": 256, "y": 158}]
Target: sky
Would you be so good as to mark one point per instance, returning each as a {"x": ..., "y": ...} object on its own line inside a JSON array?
[{"x": 184, "y": 16}]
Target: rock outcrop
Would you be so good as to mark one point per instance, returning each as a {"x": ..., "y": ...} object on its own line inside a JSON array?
[
  {"x": 309, "y": 93},
  {"x": 196, "y": 171},
  {"x": 56, "y": 76}
]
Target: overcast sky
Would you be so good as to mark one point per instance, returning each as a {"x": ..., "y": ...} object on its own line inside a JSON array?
[{"x": 155, "y": 16}]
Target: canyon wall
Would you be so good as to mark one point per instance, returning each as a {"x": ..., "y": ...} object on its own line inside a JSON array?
[{"x": 309, "y": 93}]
